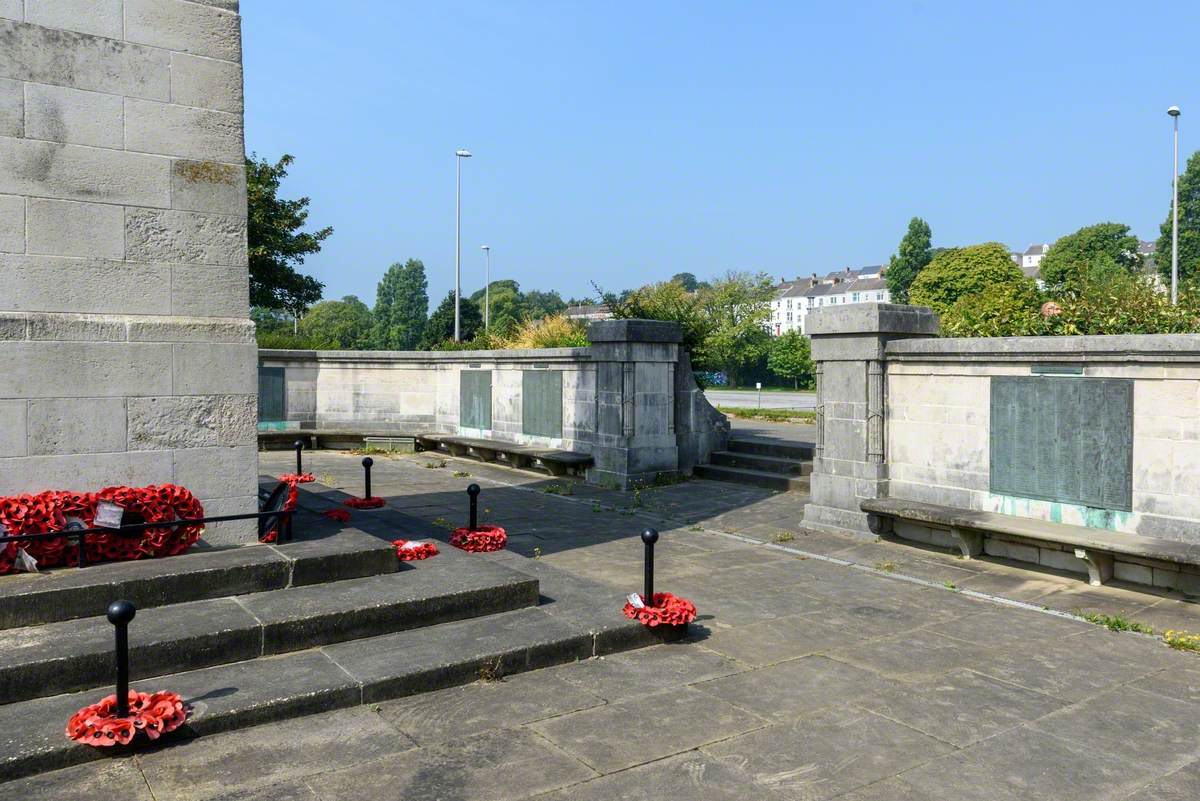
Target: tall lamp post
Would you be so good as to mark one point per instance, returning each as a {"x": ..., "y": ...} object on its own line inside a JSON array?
[
  {"x": 1174, "y": 112},
  {"x": 459, "y": 155},
  {"x": 487, "y": 286}
]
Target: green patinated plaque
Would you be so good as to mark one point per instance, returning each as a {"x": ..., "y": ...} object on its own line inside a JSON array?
[
  {"x": 541, "y": 403},
  {"x": 272, "y": 394},
  {"x": 475, "y": 399},
  {"x": 1068, "y": 440}
]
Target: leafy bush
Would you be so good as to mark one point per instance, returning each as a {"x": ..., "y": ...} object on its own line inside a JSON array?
[
  {"x": 1110, "y": 241},
  {"x": 1011, "y": 309},
  {"x": 555, "y": 331},
  {"x": 666, "y": 300},
  {"x": 957, "y": 272}
]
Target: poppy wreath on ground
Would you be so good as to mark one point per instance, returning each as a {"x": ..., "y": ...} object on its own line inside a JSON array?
[
  {"x": 299, "y": 478},
  {"x": 340, "y": 515},
  {"x": 482, "y": 539},
  {"x": 374, "y": 502},
  {"x": 53, "y": 510},
  {"x": 667, "y": 610},
  {"x": 289, "y": 504},
  {"x": 411, "y": 550},
  {"x": 152, "y": 714}
]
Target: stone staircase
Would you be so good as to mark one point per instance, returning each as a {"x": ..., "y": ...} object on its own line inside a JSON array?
[
  {"x": 263, "y": 633},
  {"x": 761, "y": 463}
]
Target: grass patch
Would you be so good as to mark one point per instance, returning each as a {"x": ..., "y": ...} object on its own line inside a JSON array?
[
  {"x": 596, "y": 508},
  {"x": 559, "y": 489},
  {"x": 885, "y": 567},
  {"x": 1182, "y": 640},
  {"x": 696, "y": 527},
  {"x": 774, "y": 415},
  {"x": 461, "y": 474},
  {"x": 950, "y": 586},
  {"x": 371, "y": 450},
  {"x": 783, "y": 536},
  {"x": 1117, "y": 622},
  {"x": 435, "y": 464}
]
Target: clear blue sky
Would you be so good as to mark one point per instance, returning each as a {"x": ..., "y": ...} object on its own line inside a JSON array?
[{"x": 624, "y": 142}]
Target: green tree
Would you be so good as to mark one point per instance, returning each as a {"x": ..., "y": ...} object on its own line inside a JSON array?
[
  {"x": 276, "y": 244},
  {"x": 915, "y": 251},
  {"x": 440, "y": 326},
  {"x": 956, "y": 272},
  {"x": 791, "y": 357},
  {"x": 1104, "y": 240},
  {"x": 666, "y": 300},
  {"x": 687, "y": 281},
  {"x": 338, "y": 324},
  {"x": 401, "y": 304},
  {"x": 538, "y": 304},
  {"x": 738, "y": 309},
  {"x": 507, "y": 305},
  {"x": 1189, "y": 227}
]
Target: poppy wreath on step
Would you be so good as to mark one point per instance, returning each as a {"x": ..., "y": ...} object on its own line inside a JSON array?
[
  {"x": 340, "y": 515},
  {"x": 374, "y": 502},
  {"x": 482, "y": 539},
  {"x": 152, "y": 714},
  {"x": 667, "y": 610},
  {"x": 299, "y": 478},
  {"x": 51, "y": 511},
  {"x": 412, "y": 550}
]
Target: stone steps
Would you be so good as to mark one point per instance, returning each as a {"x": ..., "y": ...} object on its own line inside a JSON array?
[
  {"x": 754, "y": 478},
  {"x": 586, "y": 623},
  {"x": 70, "y": 655},
  {"x": 766, "y": 464},
  {"x": 30, "y": 599},
  {"x": 782, "y": 450}
]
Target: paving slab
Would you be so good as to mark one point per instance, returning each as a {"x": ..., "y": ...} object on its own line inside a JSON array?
[
  {"x": 692, "y": 776},
  {"x": 465, "y": 711},
  {"x": 961, "y": 707},
  {"x": 913, "y": 656},
  {"x": 1182, "y": 785},
  {"x": 829, "y": 753},
  {"x": 259, "y": 757},
  {"x": 109, "y": 778},
  {"x": 1027, "y": 765},
  {"x": 500, "y": 764},
  {"x": 1181, "y": 684},
  {"x": 648, "y": 670},
  {"x": 770, "y": 641},
  {"x": 788, "y": 690},
  {"x": 648, "y": 727}
]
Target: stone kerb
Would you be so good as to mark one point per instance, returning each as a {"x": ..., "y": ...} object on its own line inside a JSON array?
[{"x": 848, "y": 346}]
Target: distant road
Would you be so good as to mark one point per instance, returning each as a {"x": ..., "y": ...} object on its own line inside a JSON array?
[{"x": 770, "y": 400}]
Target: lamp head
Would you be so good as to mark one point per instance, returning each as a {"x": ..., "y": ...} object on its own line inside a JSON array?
[
  {"x": 484, "y": 247},
  {"x": 463, "y": 154},
  {"x": 1174, "y": 111}
]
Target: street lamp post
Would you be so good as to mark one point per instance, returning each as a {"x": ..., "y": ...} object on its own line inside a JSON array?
[
  {"x": 1174, "y": 112},
  {"x": 487, "y": 287},
  {"x": 459, "y": 155}
]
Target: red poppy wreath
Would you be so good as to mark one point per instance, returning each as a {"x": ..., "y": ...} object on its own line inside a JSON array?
[
  {"x": 667, "y": 610},
  {"x": 482, "y": 539},
  {"x": 152, "y": 714},
  {"x": 299, "y": 478},
  {"x": 51, "y": 511},
  {"x": 412, "y": 550},
  {"x": 374, "y": 502}
]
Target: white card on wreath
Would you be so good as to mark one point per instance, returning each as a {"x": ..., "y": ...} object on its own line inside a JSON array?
[
  {"x": 108, "y": 515},
  {"x": 635, "y": 601}
]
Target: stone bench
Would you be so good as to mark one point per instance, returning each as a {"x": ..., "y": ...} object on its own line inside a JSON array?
[
  {"x": 1096, "y": 548},
  {"x": 556, "y": 462},
  {"x": 334, "y": 439}
]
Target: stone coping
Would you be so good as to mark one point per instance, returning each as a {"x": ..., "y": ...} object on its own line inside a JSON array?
[
  {"x": 1110, "y": 348},
  {"x": 426, "y": 356}
]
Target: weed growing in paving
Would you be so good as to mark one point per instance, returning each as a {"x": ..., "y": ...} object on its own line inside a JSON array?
[
  {"x": 372, "y": 451},
  {"x": 888, "y": 567},
  {"x": 461, "y": 474},
  {"x": 1182, "y": 640},
  {"x": 434, "y": 465},
  {"x": 490, "y": 671},
  {"x": 559, "y": 489},
  {"x": 696, "y": 527},
  {"x": 950, "y": 586},
  {"x": 783, "y": 536},
  {"x": 328, "y": 479},
  {"x": 537, "y": 552},
  {"x": 443, "y": 522},
  {"x": 596, "y": 508},
  {"x": 1117, "y": 622}
]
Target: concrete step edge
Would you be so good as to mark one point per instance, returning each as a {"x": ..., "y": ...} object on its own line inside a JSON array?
[
  {"x": 224, "y": 630},
  {"x": 757, "y": 478},
  {"x": 767, "y": 464}
]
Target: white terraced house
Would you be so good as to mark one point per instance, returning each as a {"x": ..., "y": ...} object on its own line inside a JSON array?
[{"x": 794, "y": 299}]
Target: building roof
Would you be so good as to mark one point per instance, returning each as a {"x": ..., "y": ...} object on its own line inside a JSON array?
[
  {"x": 591, "y": 308},
  {"x": 1146, "y": 248},
  {"x": 1037, "y": 250}
]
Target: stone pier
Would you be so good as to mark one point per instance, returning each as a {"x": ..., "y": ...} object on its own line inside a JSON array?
[{"x": 128, "y": 354}]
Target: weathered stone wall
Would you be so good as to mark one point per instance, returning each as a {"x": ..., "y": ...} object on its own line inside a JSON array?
[
  {"x": 938, "y": 424},
  {"x": 629, "y": 400},
  {"x": 128, "y": 356}
]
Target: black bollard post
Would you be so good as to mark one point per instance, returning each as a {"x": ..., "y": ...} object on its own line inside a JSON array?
[
  {"x": 299, "y": 446},
  {"x": 649, "y": 536},
  {"x": 367, "y": 462},
  {"x": 119, "y": 614},
  {"x": 473, "y": 491}
]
